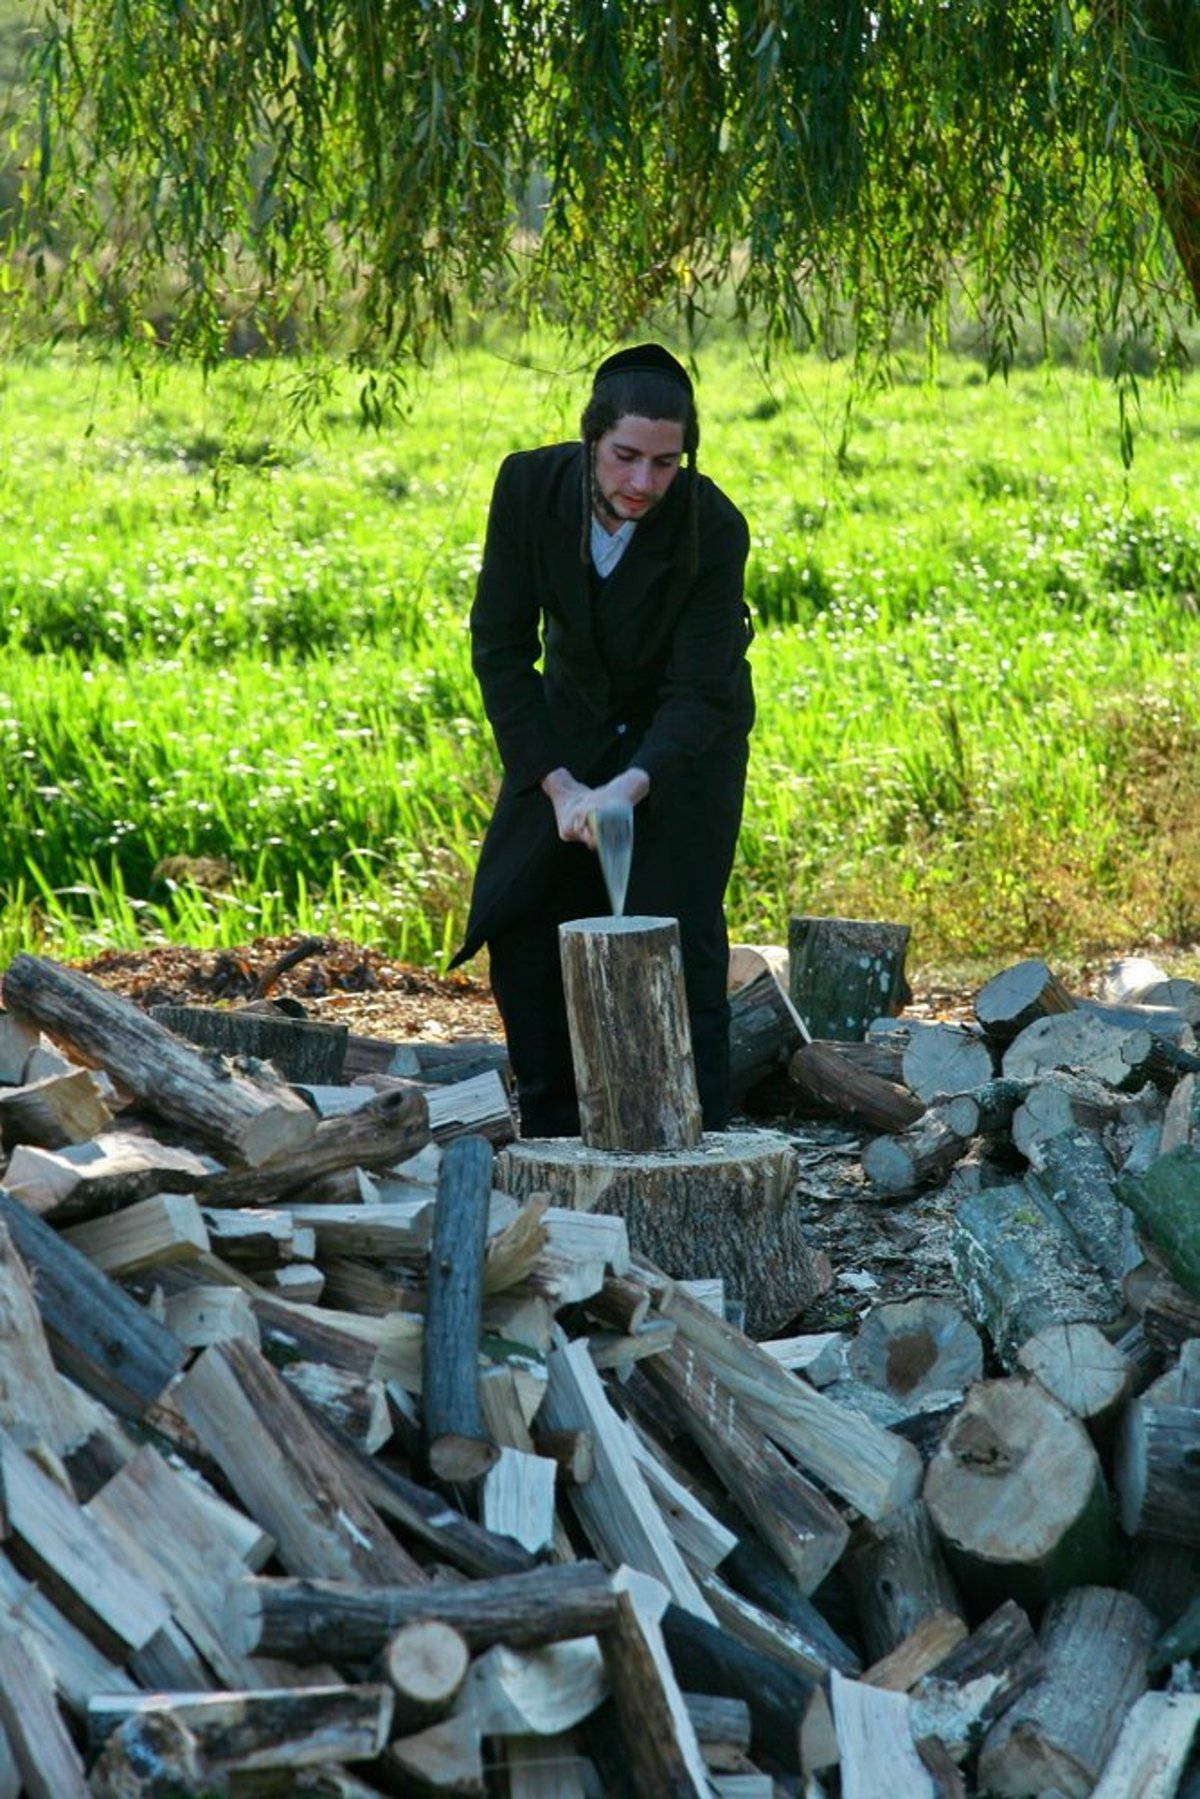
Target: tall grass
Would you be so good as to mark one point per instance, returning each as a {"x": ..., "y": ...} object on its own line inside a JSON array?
[{"x": 228, "y": 635}]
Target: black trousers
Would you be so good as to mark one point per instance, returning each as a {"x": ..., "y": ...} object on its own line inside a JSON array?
[{"x": 684, "y": 842}]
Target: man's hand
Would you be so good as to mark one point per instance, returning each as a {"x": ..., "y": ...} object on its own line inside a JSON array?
[{"x": 574, "y": 803}]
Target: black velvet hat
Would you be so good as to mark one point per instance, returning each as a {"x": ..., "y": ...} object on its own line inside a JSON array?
[{"x": 645, "y": 359}]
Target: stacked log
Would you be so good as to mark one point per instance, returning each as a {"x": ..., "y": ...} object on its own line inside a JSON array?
[{"x": 502, "y": 1507}]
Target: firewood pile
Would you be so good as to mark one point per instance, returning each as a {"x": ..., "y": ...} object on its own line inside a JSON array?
[{"x": 327, "y": 1466}]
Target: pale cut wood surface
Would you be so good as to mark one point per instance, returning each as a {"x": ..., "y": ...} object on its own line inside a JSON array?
[
  {"x": 59, "y": 1109},
  {"x": 426, "y": 1663},
  {"x": 1153, "y": 1748},
  {"x": 1079, "y": 1365},
  {"x": 879, "y": 1759},
  {"x": 167, "y": 1228},
  {"x": 1018, "y": 995},
  {"x": 79, "y": 1668},
  {"x": 659, "y": 1738},
  {"x": 539, "y": 1692},
  {"x": 33, "y": 1395},
  {"x": 41, "y": 1745},
  {"x": 381, "y": 1134}
]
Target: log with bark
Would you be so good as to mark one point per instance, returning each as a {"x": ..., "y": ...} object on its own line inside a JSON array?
[{"x": 844, "y": 972}]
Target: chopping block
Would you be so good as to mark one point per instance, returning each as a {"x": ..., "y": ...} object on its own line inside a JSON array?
[{"x": 700, "y": 1205}]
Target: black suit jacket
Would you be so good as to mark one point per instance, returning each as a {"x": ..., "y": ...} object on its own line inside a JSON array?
[{"x": 648, "y": 667}]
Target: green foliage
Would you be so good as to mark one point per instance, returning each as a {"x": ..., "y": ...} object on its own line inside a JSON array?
[
  {"x": 389, "y": 173},
  {"x": 976, "y": 654}
]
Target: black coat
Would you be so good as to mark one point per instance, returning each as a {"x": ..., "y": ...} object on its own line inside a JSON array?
[{"x": 648, "y": 667}]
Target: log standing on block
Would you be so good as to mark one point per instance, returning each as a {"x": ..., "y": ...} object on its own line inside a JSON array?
[{"x": 609, "y": 636}]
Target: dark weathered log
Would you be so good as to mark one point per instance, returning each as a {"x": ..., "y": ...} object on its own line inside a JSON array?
[
  {"x": 1075, "y": 1177},
  {"x": 975, "y": 1684},
  {"x": 1011, "y": 1440},
  {"x": 1015, "y": 997},
  {"x": 942, "y": 1060},
  {"x": 311, "y": 1620},
  {"x": 630, "y": 1038},
  {"x": 727, "y": 1207},
  {"x": 99, "y": 1336},
  {"x": 1170, "y": 1314},
  {"x": 764, "y": 1029},
  {"x": 659, "y": 1738},
  {"x": 284, "y": 1471},
  {"x": 426, "y": 1662},
  {"x": 300, "y": 1048},
  {"x": 1164, "y": 1201},
  {"x": 1157, "y": 1471},
  {"x": 805, "y": 1531},
  {"x": 821, "y": 1070},
  {"x": 844, "y": 972},
  {"x": 386, "y": 1131},
  {"x": 1059, "y": 1734},
  {"x": 247, "y": 1120},
  {"x": 1019, "y": 1268},
  {"x": 756, "y": 1572},
  {"x": 708, "y": 1659},
  {"x": 898, "y": 1575},
  {"x": 986, "y": 1110},
  {"x": 914, "y": 1347},
  {"x": 925, "y": 1151},
  {"x": 458, "y": 1447},
  {"x": 285, "y": 1729}
]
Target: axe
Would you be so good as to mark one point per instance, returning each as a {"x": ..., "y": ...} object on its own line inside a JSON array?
[{"x": 612, "y": 829}]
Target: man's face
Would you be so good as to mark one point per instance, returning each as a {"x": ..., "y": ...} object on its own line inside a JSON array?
[{"x": 634, "y": 464}]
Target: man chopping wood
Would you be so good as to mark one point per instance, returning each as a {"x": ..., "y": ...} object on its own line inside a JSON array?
[{"x": 609, "y": 637}]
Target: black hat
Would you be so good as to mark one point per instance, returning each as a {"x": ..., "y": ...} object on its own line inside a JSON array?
[{"x": 645, "y": 359}]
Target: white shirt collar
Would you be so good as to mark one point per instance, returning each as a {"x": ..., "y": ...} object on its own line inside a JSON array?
[{"x": 608, "y": 547}]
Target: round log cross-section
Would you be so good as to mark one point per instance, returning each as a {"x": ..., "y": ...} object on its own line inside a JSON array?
[{"x": 631, "y": 1042}]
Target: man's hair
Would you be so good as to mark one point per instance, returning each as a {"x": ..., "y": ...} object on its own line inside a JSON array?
[{"x": 645, "y": 382}]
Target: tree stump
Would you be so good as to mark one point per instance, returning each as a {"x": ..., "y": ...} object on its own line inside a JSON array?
[
  {"x": 630, "y": 1037},
  {"x": 845, "y": 972},
  {"x": 725, "y": 1207}
]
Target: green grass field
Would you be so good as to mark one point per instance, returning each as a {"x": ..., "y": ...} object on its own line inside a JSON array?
[{"x": 230, "y": 632}]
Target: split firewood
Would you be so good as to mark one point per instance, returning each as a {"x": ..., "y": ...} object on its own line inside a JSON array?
[
  {"x": 1170, "y": 1314},
  {"x": 820, "y": 1356},
  {"x": 897, "y": 1572},
  {"x": 97, "y": 1335},
  {"x": 1013, "y": 999},
  {"x": 946, "y": 1059},
  {"x": 308, "y": 1620},
  {"x": 283, "y": 1471},
  {"x": 458, "y": 1447},
  {"x": 1152, "y": 1752},
  {"x": 168, "y": 1228},
  {"x": 357, "y": 1408},
  {"x": 535, "y": 1692},
  {"x": 758, "y": 1575},
  {"x": 764, "y": 1632},
  {"x": 49, "y": 1535},
  {"x": 38, "y": 1744},
  {"x": 1011, "y": 1439},
  {"x": 926, "y": 1646},
  {"x": 615, "y": 1508},
  {"x": 517, "y": 1498},
  {"x": 822, "y": 1071},
  {"x": 383, "y": 1132},
  {"x": 865, "y": 1464},
  {"x": 764, "y": 1027},
  {"x": 659, "y": 1738},
  {"x": 245, "y": 1120},
  {"x": 85, "y": 1180},
  {"x": 876, "y": 1750},
  {"x": 1060, "y": 1733},
  {"x": 1181, "y": 1118},
  {"x": 803, "y": 1528},
  {"x": 18, "y": 1041},
  {"x": 55, "y": 1111},
  {"x": 446, "y": 1757}
]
